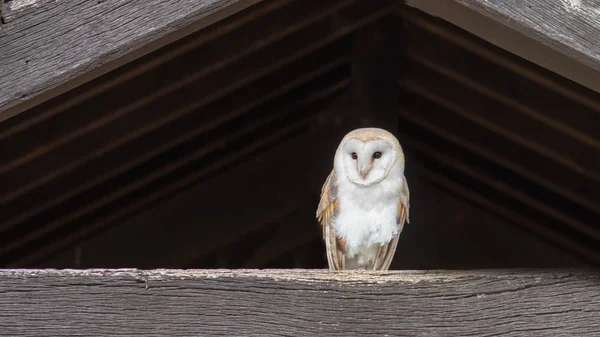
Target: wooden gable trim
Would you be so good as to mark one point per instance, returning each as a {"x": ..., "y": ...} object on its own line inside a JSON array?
[
  {"x": 562, "y": 36},
  {"x": 50, "y": 47}
]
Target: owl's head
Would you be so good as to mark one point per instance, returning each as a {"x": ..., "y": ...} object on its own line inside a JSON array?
[{"x": 366, "y": 156}]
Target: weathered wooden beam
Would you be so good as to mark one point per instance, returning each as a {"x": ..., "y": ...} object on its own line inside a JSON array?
[
  {"x": 299, "y": 303},
  {"x": 562, "y": 36},
  {"x": 50, "y": 47},
  {"x": 138, "y": 74}
]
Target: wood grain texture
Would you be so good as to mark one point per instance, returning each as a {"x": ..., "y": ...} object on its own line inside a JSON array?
[
  {"x": 299, "y": 303},
  {"x": 570, "y": 27},
  {"x": 48, "y": 47},
  {"x": 563, "y": 36}
]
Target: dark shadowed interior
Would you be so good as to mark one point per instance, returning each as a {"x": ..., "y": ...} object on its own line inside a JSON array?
[{"x": 211, "y": 151}]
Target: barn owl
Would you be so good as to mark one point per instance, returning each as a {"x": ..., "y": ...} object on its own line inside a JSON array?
[{"x": 364, "y": 201}]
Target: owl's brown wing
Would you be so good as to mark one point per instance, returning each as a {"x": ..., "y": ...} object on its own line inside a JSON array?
[
  {"x": 386, "y": 252},
  {"x": 326, "y": 212}
]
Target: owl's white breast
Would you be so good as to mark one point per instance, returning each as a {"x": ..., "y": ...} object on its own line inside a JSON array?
[{"x": 367, "y": 214}]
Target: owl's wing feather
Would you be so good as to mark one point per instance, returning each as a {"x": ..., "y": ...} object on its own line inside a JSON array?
[
  {"x": 386, "y": 252},
  {"x": 326, "y": 212}
]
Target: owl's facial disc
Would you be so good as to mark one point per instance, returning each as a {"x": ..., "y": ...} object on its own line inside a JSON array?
[{"x": 367, "y": 162}]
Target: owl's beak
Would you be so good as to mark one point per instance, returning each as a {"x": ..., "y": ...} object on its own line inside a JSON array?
[{"x": 364, "y": 169}]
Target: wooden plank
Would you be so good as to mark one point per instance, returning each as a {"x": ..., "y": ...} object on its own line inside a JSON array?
[
  {"x": 42, "y": 50},
  {"x": 299, "y": 303},
  {"x": 563, "y": 36},
  {"x": 137, "y": 76}
]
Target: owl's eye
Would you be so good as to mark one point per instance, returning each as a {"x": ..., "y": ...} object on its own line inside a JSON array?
[
  {"x": 354, "y": 155},
  {"x": 377, "y": 155}
]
